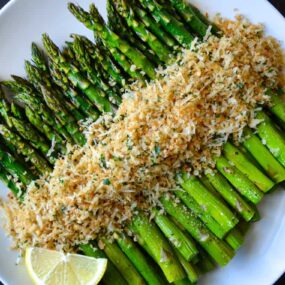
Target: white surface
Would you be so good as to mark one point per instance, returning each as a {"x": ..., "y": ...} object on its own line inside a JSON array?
[{"x": 262, "y": 258}]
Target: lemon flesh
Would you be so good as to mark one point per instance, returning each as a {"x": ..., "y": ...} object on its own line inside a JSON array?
[{"x": 48, "y": 267}]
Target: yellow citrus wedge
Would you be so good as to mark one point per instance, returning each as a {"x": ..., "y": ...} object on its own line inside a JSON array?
[{"x": 48, "y": 267}]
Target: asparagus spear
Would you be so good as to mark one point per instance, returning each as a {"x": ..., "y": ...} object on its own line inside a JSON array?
[
  {"x": 231, "y": 196},
  {"x": 241, "y": 162},
  {"x": 278, "y": 106},
  {"x": 112, "y": 275},
  {"x": 25, "y": 149},
  {"x": 153, "y": 26},
  {"x": 235, "y": 239},
  {"x": 15, "y": 118},
  {"x": 5, "y": 109},
  {"x": 268, "y": 162},
  {"x": 271, "y": 137},
  {"x": 9, "y": 111},
  {"x": 198, "y": 211},
  {"x": 139, "y": 260},
  {"x": 242, "y": 184},
  {"x": 28, "y": 132},
  {"x": 104, "y": 60},
  {"x": 36, "y": 120},
  {"x": 15, "y": 168},
  {"x": 130, "y": 69},
  {"x": 69, "y": 55},
  {"x": 94, "y": 22},
  {"x": 191, "y": 11},
  {"x": 154, "y": 43},
  {"x": 158, "y": 247},
  {"x": 212, "y": 205},
  {"x": 190, "y": 16},
  {"x": 38, "y": 58},
  {"x": 23, "y": 86},
  {"x": 95, "y": 95},
  {"x": 176, "y": 237},
  {"x": 83, "y": 104},
  {"x": 126, "y": 65},
  {"x": 219, "y": 250},
  {"x": 26, "y": 95},
  {"x": 170, "y": 23},
  {"x": 190, "y": 270},
  {"x": 119, "y": 26},
  {"x": 39, "y": 78},
  {"x": 5, "y": 178},
  {"x": 205, "y": 263},
  {"x": 123, "y": 264},
  {"x": 63, "y": 116},
  {"x": 86, "y": 63}
]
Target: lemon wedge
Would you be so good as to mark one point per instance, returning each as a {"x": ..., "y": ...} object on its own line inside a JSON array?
[{"x": 48, "y": 267}]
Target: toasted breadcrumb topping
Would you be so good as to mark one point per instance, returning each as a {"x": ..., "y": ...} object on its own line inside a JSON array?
[{"x": 179, "y": 121}]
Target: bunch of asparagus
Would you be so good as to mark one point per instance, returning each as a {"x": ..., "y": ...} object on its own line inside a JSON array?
[{"x": 206, "y": 218}]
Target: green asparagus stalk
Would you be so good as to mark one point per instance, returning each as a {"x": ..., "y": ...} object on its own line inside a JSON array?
[
  {"x": 119, "y": 259},
  {"x": 190, "y": 16},
  {"x": 28, "y": 132},
  {"x": 5, "y": 109},
  {"x": 94, "y": 22},
  {"x": 189, "y": 269},
  {"x": 14, "y": 118},
  {"x": 5, "y": 178},
  {"x": 38, "y": 106},
  {"x": 212, "y": 205},
  {"x": 169, "y": 23},
  {"x": 83, "y": 104},
  {"x": 176, "y": 237},
  {"x": 95, "y": 94},
  {"x": 189, "y": 11},
  {"x": 198, "y": 211},
  {"x": 25, "y": 149},
  {"x": 52, "y": 135},
  {"x": 119, "y": 26},
  {"x": 263, "y": 156},
  {"x": 69, "y": 55},
  {"x": 27, "y": 96},
  {"x": 126, "y": 65},
  {"x": 271, "y": 137},
  {"x": 39, "y": 78},
  {"x": 139, "y": 28},
  {"x": 206, "y": 182},
  {"x": 241, "y": 162},
  {"x": 139, "y": 260},
  {"x": 38, "y": 58},
  {"x": 63, "y": 116},
  {"x": 15, "y": 168},
  {"x": 216, "y": 248},
  {"x": 9, "y": 111},
  {"x": 205, "y": 263},
  {"x": 278, "y": 105},
  {"x": 112, "y": 275},
  {"x": 235, "y": 239},
  {"x": 242, "y": 184},
  {"x": 158, "y": 247},
  {"x": 154, "y": 27},
  {"x": 86, "y": 63},
  {"x": 231, "y": 196},
  {"x": 104, "y": 61}
]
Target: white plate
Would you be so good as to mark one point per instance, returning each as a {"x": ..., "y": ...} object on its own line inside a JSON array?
[{"x": 261, "y": 260}]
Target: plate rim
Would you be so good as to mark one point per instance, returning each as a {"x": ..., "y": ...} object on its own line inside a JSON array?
[{"x": 9, "y": 5}]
